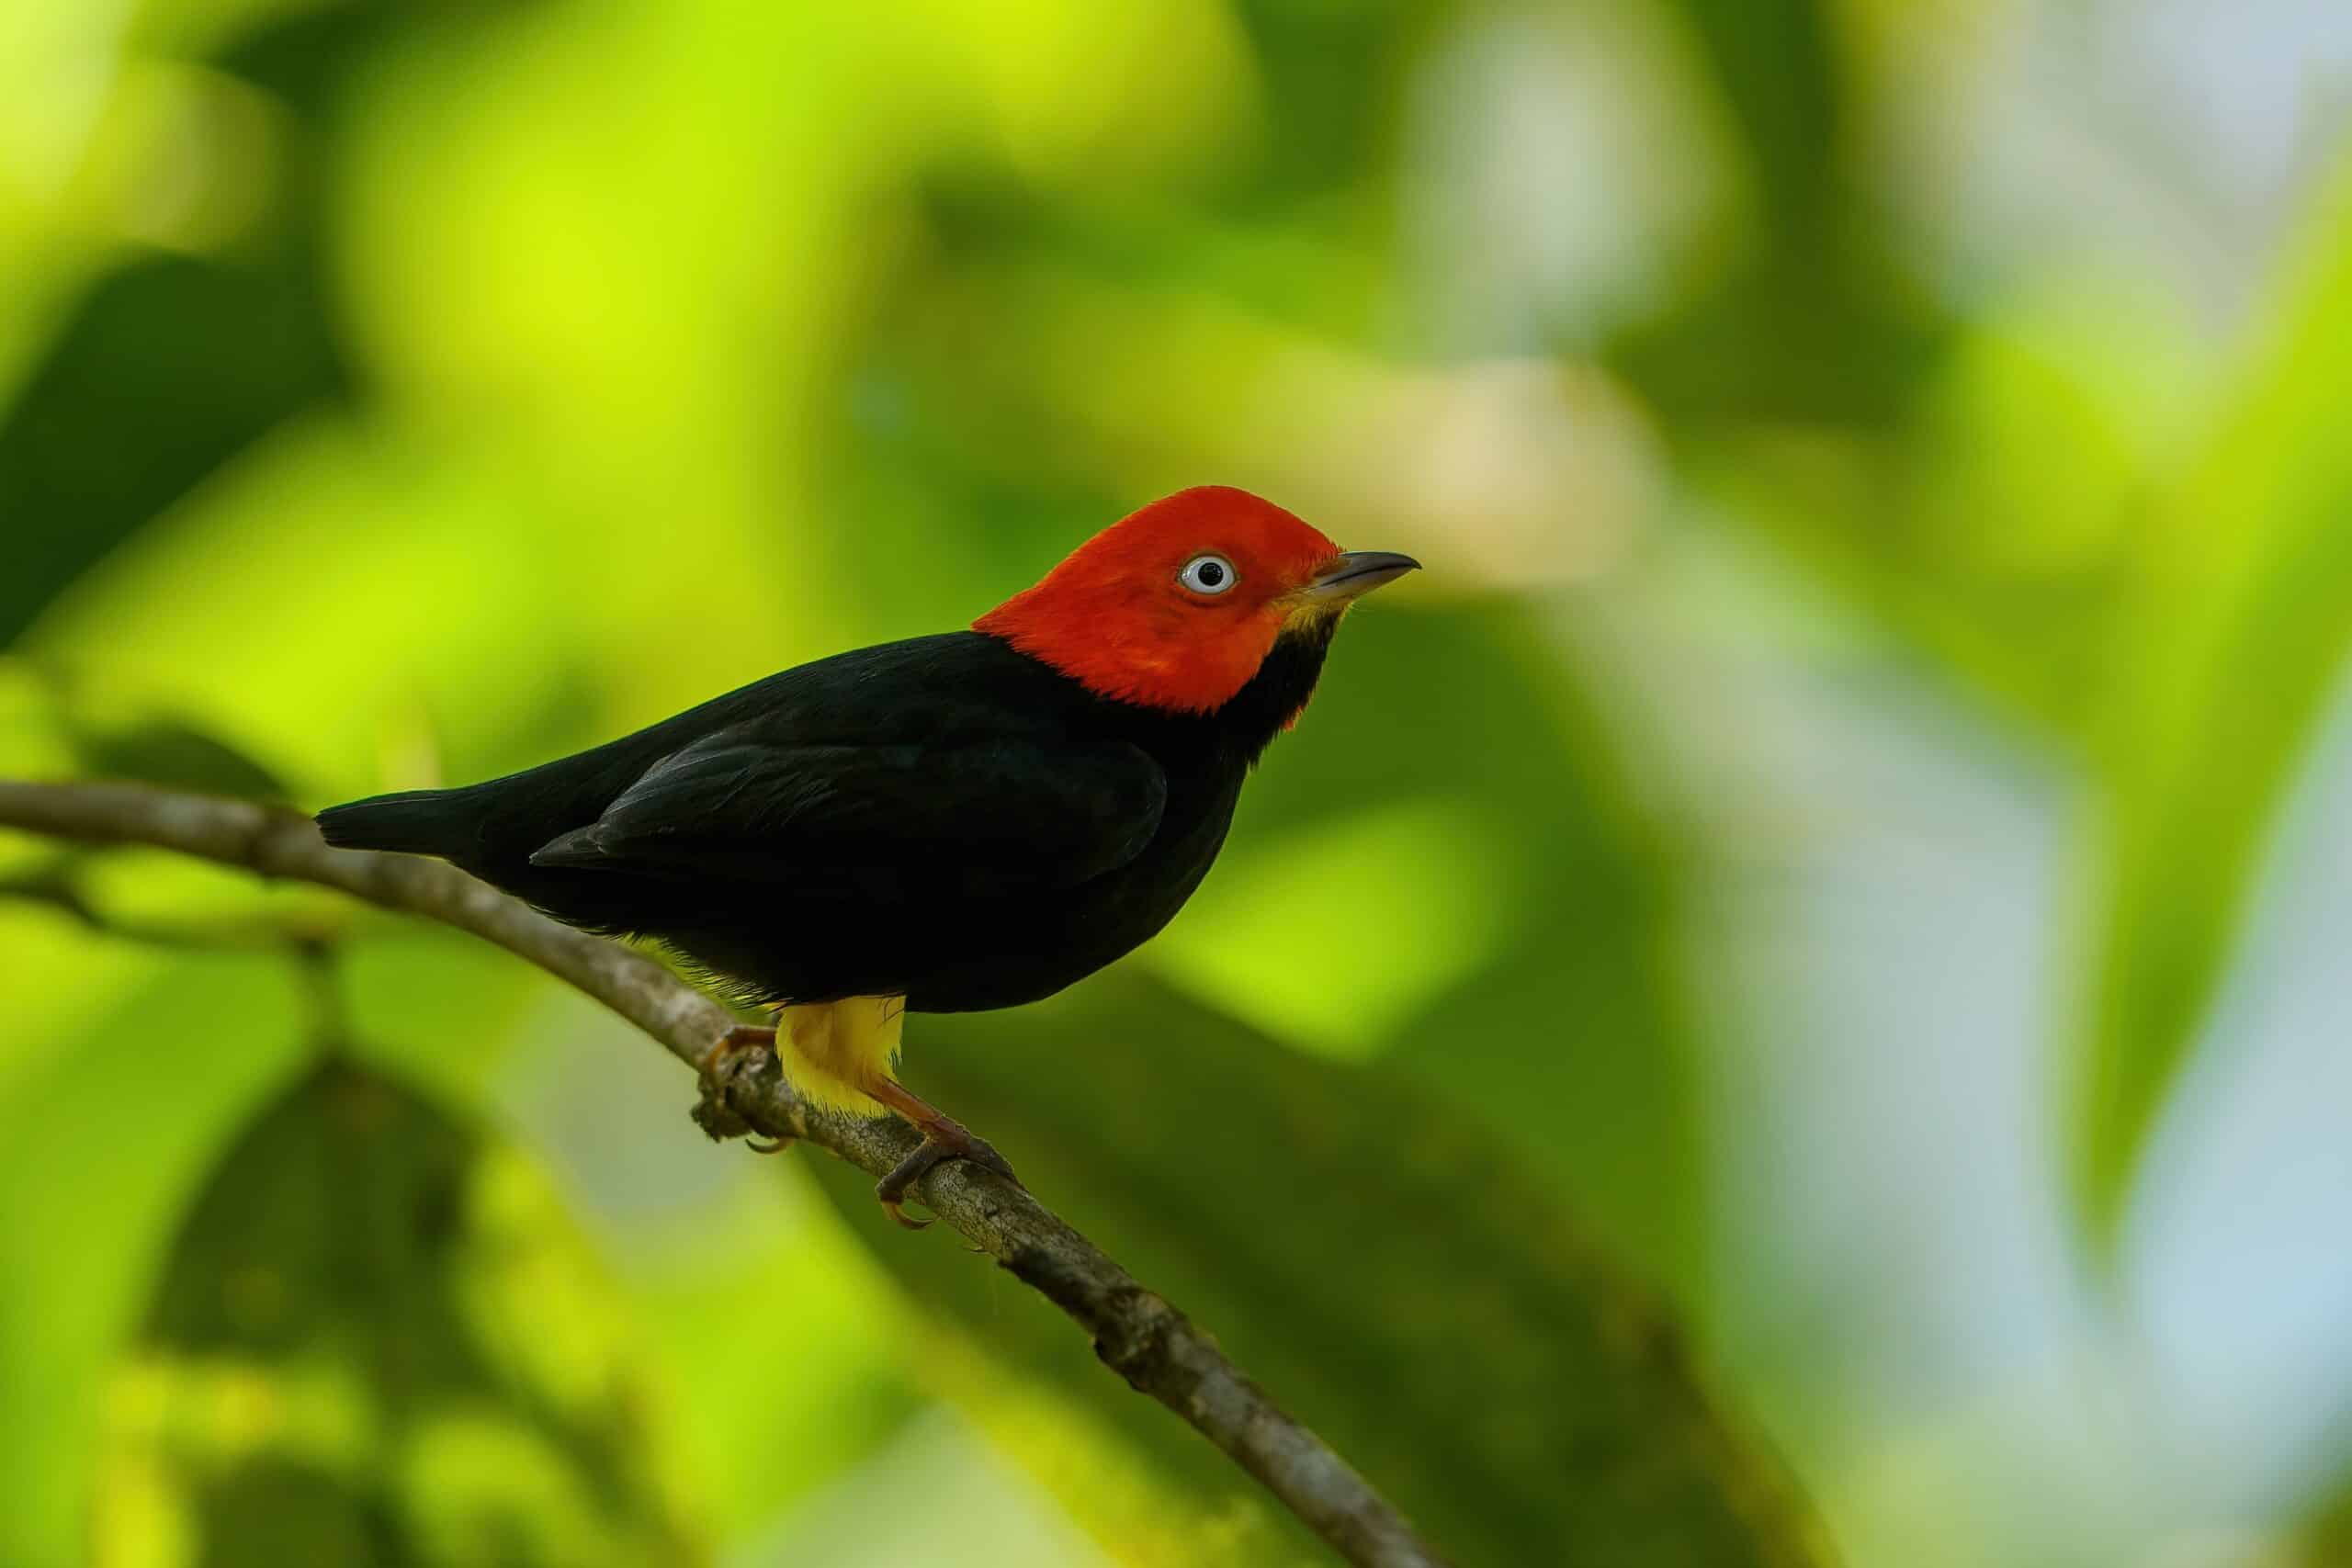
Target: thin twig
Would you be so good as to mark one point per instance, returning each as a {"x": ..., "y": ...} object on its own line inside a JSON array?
[
  {"x": 1137, "y": 1334},
  {"x": 56, "y": 885}
]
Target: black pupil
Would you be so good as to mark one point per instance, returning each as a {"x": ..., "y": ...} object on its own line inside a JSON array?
[{"x": 1209, "y": 573}]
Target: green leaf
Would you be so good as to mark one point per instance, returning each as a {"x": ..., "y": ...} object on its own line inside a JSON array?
[
  {"x": 115, "y": 1094},
  {"x": 170, "y": 366},
  {"x": 173, "y": 363},
  {"x": 1570, "y": 1033},
  {"x": 2324, "y": 1540},
  {"x": 1805, "y": 317},
  {"x": 173, "y": 754},
  {"x": 1999, "y": 530},
  {"x": 1775, "y": 63},
  {"x": 2232, "y": 651},
  {"x": 1374, "y": 1257},
  {"x": 377, "y": 1340}
]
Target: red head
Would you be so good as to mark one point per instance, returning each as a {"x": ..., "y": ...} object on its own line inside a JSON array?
[{"x": 1175, "y": 607}]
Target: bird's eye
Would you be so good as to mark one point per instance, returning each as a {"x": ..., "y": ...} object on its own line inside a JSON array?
[{"x": 1207, "y": 574}]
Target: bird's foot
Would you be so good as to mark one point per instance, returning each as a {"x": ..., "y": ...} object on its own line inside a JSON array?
[
  {"x": 942, "y": 1140},
  {"x": 742, "y": 1037},
  {"x": 728, "y": 1055}
]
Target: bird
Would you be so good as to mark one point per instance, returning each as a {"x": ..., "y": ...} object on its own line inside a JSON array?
[{"x": 951, "y": 823}]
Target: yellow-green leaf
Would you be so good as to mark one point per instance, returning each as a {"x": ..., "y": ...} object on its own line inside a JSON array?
[
  {"x": 2237, "y": 640},
  {"x": 1380, "y": 1262},
  {"x": 377, "y": 1340}
]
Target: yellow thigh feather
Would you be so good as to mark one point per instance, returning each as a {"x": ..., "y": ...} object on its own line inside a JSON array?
[{"x": 833, "y": 1050}]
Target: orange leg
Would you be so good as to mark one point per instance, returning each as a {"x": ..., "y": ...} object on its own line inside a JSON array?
[
  {"x": 742, "y": 1037},
  {"x": 944, "y": 1138}
]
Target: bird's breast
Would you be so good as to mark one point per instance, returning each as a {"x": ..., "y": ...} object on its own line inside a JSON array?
[{"x": 1006, "y": 952}]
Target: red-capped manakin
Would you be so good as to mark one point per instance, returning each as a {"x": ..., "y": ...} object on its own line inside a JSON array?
[{"x": 946, "y": 824}]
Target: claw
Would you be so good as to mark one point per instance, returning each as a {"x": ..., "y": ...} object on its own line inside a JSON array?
[
  {"x": 742, "y": 1037},
  {"x": 942, "y": 1140},
  {"x": 718, "y": 1067}
]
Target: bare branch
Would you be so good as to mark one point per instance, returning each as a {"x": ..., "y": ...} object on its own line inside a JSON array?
[
  {"x": 56, "y": 885},
  {"x": 1137, "y": 1334}
]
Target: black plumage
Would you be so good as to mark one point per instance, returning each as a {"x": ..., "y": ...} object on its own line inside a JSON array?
[{"x": 942, "y": 818}]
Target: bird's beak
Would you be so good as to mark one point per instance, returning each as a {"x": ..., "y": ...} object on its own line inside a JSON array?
[{"x": 1355, "y": 574}]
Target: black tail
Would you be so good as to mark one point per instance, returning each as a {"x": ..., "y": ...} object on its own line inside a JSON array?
[{"x": 417, "y": 821}]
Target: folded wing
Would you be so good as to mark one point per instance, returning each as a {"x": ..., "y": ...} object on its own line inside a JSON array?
[{"x": 897, "y": 821}]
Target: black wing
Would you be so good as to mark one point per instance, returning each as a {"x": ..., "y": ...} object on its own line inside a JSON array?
[{"x": 897, "y": 821}]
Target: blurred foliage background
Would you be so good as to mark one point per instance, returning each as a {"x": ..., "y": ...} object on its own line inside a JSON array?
[{"x": 1845, "y": 841}]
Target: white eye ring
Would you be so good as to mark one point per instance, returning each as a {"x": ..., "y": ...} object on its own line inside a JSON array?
[{"x": 1209, "y": 574}]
